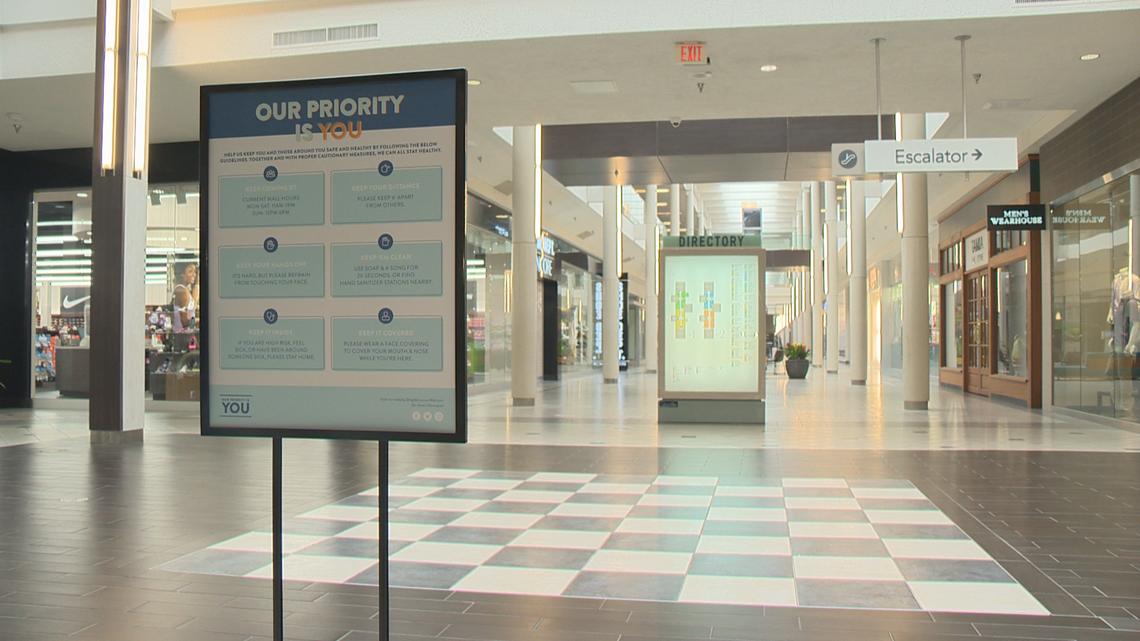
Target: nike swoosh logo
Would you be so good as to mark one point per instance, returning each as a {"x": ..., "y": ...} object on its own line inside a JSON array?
[{"x": 67, "y": 303}]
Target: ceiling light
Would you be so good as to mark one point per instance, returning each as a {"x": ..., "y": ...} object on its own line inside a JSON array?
[
  {"x": 594, "y": 86},
  {"x": 81, "y": 194},
  {"x": 15, "y": 117},
  {"x": 768, "y": 68},
  {"x": 1090, "y": 56},
  {"x": 474, "y": 82}
]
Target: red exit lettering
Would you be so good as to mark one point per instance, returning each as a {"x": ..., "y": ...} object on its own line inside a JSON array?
[{"x": 690, "y": 53}]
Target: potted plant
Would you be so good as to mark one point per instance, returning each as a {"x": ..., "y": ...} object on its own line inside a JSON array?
[{"x": 796, "y": 360}]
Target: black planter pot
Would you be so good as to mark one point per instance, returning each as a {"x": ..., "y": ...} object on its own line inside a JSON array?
[{"x": 797, "y": 368}]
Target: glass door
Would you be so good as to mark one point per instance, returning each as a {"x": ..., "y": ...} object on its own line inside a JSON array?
[{"x": 978, "y": 332}]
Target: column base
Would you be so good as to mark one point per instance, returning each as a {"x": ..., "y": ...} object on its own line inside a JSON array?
[
  {"x": 524, "y": 402},
  {"x": 610, "y": 380},
  {"x": 862, "y": 383},
  {"x": 915, "y": 405},
  {"x": 832, "y": 371},
  {"x": 114, "y": 437}
]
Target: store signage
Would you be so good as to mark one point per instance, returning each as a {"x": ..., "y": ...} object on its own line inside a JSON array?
[
  {"x": 1015, "y": 217},
  {"x": 715, "y": 241},
  {"x": 544, "y": 257},
  {"x": 690, "y": 54},
  {"x": 977, "y": 250},
  {"x": 333, "y": 217},
  {"x": 623, "y": 327},
  {"x": 598, "y": 322},
  {"x": 847, "y": 160},
  {"x": 940, "y": 156},
  {"x": 1091, "y": 216}
]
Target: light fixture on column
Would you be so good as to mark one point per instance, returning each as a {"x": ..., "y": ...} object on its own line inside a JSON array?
[
  {"x": 618, "y": 204},
  {"x": 898, "y": 179},
  {"x": 847, "y": 213},
  {"x": 538, "y": 181},
  {"x": 110, "y": 73},
  {"x": 657, "y": 259},
  {"x": 142, "y": 89}
]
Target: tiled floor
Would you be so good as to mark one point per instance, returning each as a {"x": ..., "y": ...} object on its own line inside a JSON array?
[{"x": 814, "y": 542}]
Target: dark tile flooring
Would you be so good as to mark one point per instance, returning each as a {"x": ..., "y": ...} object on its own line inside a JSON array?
[{"x": 81, "y": 528}]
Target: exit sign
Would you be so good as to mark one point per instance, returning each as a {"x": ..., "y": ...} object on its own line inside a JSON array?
[{"x": 690, "y": 53}]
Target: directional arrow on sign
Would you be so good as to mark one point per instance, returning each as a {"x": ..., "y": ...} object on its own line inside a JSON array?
[
  {"x": 977, "y": 154},
  {"x": 940, "y": 155}
]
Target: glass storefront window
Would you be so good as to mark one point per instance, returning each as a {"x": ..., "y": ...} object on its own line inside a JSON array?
[
  {"x": 488, "y": 300},
  {"x": 1012, "y": 319},
  {"x": 952, "y": 303}
]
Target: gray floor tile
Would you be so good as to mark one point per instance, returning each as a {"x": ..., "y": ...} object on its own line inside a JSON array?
[
  {"x": 428, "y": 517},
  {"x": 747, "y": 501},
  {"x": 896, "y": 504},
  {"x": 426, "y": 575},
  {"x": 371, "y": 576},
  {"x": 362, "y": 500},
  {"x": 741, "y": 565},
  {"x": 881, "y": 483},
  {"x": 654, "y": 542},
  {"x": 424, "y": 481},
  {"x": 745, "y": 528},
  {"x": 953, "y": 570},
  {"x": 547, "y": 486},
  {"x": 886, "y": 595},
  {"x": 516, "y": 507},
  {"x": 827, "y": 516},
  {"x": 750, "y": 481},
  {"x": 682, "y": 490},
  {"x": 643, "y": 479},
  {"x": 626, "y": 585},
  {"x": 483, "y": 535},
  {"x": 454, "y": 493},
  {"x": 655, "y": 512},
  {"x": 838, "y": 547},
  {"x": 226, "y": 562},
  {"x": 593, "y": 524},
  {"x": 612, "y": 499},
  {"x": 905, "y": 531},
  {"x": 555, "y": 558},
  {"x": 315, "y": 527},
  {"x": 396, "y": 546},
  {"x": 500, "y": 475},
  {"x": 343, "y": 547},
  {"x": 819, "y": 492}
]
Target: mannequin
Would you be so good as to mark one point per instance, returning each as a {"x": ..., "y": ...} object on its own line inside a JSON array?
[{"x": 1124, "y": 316}]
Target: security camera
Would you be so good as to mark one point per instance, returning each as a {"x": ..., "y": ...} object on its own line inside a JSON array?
[{"x": 676, "y": 122}]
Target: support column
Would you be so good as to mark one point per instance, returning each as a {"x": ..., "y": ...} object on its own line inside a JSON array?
[
  {"x": 857, "y": 288},
  {"x": 690, "y": 208},
  {"x": 611, "y": 272},
  {"x": 915, "y": 278},
  {"x": 674, "y": 210},
  {"x": 526, "y": 218},
  {"x": 650, "y": 223},
  {"x": 831, "y": 209},
  {"x": 817, "y": 276},
  {"x": 118, "y": 222}
]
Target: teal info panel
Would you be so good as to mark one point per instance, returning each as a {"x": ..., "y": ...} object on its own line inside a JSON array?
[
  {"x": 292, "y": 271},
  {"x": 406, "y": 269},
  {"x": 405, "y": 195},
  {"x": 407, "y": 344},
  {"x": 287, "y": 200},
  {"x": 288, "y": 344}
]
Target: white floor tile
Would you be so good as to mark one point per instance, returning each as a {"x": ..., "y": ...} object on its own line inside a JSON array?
[
  {"x": 502, "y": 580},
  {"x": 815, "y": 483},
  {"x": 862, "y": 568},
  {"x": 320, "y": 569},
  {"x": 614, "y": 488},
  {"x": 908, "y": 517},
  {"x": 660, "y": 526},
  {"x": 747, "y": 514},
  {"x": 639, "y": 561},
  {"x": 497, "y": 520},
  {"x": 263, "y": 542},
  {"x": 936, "y": 549},
  {"x": 991, "y": 598},
  {"x": 562, "y": 477},
  {"x": 485, "y": 484},
  {"x": 737, "y": 590},
  {"x": 444, "y": 473},
  {"x": 571, "y": 540},
  {"x": 452, "y": 553},
  {"x": 343, "y": 513},
  {"x": 887, "y": 493},
  {"x": 602, "y": 510},
  {"x": 745, "y": 490},
  {"x": 674, "y": 500},
  {"x": 697, "y": 481},
  {"x": 410, "y": 531},
  {"x": 444, "y": 505},
  {"x": 761, "y": 545},
  {"x": 411, "y": 491},
  {"x": 815, "y": 503},
  {"x": 370, "y": 531},
  {"x": 833, "y": 530},
  {"x": 534, "y": 496}
]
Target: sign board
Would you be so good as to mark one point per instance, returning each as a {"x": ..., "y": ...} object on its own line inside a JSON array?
[
  {"x": 1015, "y": 217},
  {"x": 1074, "y": 216},
  {"x": 332, "y": 223},
  {"x": 712, "y": 324},
  {"x": 544, "y": 255},
  {"x": 712, "y": 241},
  {"x": 847, "y": 159},
  {"x": 941, "y": 156},
  {"x": 977, "y": 250},
  {"x": 690, "y": 54}
]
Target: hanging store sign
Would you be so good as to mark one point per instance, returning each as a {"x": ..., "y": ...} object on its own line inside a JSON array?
[
  {"x": 977, "y": 250},
  {"x": 941, "y": 156},
  {"x": 1015, "y": 217},
  {"x": 1086, "y": 217},
  {"x": 544, "y": 255},
  {"x": 715, "y": 240}
]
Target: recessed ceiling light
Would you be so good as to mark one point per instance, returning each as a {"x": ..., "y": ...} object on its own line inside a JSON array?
[
  {"x": 15, "y": 117},
  {"x": 1090, "y": 56},
  {"x": 474, "y": 82},
  {"x": 768, "y": 68},
  {"x": 81, "y": 194}
]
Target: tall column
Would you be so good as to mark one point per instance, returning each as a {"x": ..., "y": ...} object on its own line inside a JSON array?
[
  {"x": 650, "y": 220},
  {"x": 831, "y": 209},
  {"x": 817, "y": 276},
  {"x": 674, "y": 210},
  {"x": 857, "y": 287},
  {"x": 611, "y": 272},
  {"x": 915, "y": 278},
  {"x": 701, "y": 222},
  {"x": 118, "y": 222},
  {"x": 690, "y": 209},
  {"x": 526, "y": 222}
]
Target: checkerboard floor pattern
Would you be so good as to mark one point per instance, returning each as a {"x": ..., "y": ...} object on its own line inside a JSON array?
[{"x": 815, "y": 542}]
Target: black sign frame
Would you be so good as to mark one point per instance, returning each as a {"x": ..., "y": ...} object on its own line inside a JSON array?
[{"x": 1016, "y": 217}]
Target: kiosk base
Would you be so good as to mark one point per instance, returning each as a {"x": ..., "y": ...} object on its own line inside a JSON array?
[{"x": 709, "y": 411}]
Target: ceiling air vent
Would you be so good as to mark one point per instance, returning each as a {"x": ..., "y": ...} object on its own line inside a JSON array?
[
  {"x": 1005, "y": 103},
  {"x": 506, "y": 187},
  {"x": 586, "y": 234},
  {"x": 321, "y": 36}
]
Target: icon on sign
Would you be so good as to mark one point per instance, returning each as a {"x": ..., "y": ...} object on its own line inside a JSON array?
[
  {"x": 848, "y": 159},
  {"x": 270, "y": 316},
  {"x": 415, "y": 416},
  {"x": 386, "y": 168},
  {"x": 427, "y": 416},
  {"x": 439, "y": 416},
  {"x": 270, "y": 173},
  {"x": 270, "y": 244},
  {"x": 386, "y": 316},
  {"x": 386, "y": 241}
]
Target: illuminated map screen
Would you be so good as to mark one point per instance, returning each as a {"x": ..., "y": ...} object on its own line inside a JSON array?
[{"x": 712, "y": 311}]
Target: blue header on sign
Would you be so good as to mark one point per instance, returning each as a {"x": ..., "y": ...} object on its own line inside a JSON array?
[{"x": 349, "y": 107}]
